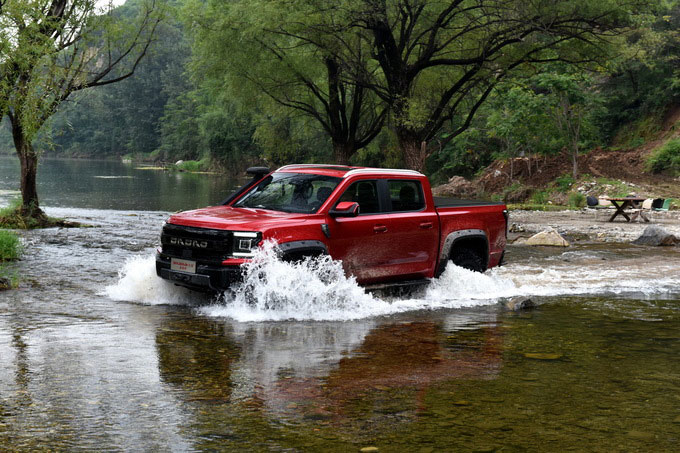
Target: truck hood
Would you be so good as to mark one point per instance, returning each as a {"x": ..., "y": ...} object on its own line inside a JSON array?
[{"x": 240, "y": 219}]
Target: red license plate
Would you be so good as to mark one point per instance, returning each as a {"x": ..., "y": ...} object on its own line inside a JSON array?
[{"x": 183, "y": 265}]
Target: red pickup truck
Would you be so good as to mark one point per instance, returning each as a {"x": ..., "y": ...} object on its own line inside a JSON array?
[{"x": 384, "y": 225}]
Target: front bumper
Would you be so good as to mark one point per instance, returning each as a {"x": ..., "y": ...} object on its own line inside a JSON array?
[{"x": 206, "y": 278}]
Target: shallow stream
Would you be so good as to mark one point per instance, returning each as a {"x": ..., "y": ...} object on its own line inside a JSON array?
[{"x": 99, "y": 354}]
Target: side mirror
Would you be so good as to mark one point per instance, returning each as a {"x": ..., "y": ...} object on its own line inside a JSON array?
[{"x": 345, "y": 209}]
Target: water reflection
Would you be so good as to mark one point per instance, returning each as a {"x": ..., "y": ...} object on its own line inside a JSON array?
[{"x": 300, "y": 370}]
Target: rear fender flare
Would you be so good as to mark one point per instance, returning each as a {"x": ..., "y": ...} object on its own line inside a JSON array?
[{"x": 455, "y": 238}]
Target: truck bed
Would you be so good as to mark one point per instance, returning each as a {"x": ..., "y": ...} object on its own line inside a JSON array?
[{"x": 444, "y": 202}]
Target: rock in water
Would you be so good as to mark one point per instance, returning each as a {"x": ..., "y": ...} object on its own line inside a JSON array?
[
  {"x": 655, "y": 235},
  {"x": 519, "y": 303},
  {"x": 548, "y": 237}
]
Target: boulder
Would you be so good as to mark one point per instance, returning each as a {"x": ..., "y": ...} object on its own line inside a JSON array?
[
  {"x": 456, "y": 187},
  {"x": 548, "y": 237},
  {"x": 519, "y": 303},
  {"x": 655, "y": 235}
]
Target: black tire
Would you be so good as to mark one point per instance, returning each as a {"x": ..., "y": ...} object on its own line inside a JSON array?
[{"x": 468, "y": 259}]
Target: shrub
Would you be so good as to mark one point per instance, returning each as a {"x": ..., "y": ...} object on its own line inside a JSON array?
[
  {"x": 540, "y": 197},
  {"x": 666, "y": 157},
  {"x": 576, "y": 200},
  {"x": 10, "y": 246},
  {"x": 564, "y": 182},
  {"x": 194, "y": 165}
]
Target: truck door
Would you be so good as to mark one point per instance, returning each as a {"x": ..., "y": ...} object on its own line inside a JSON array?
[
  {"x": 413, "y": 230},
  {"x": 394, "y": 237},
  {"x": 362, "y": 243}
]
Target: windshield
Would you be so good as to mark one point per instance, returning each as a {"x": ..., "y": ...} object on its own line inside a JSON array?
[{"x": 290, "y": 192}]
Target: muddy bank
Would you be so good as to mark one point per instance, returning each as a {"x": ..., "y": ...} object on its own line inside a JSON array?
[{"x": 587, "y": 225}]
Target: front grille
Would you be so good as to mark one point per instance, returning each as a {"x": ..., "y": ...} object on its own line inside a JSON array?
[{"x": 217, "y": 243}]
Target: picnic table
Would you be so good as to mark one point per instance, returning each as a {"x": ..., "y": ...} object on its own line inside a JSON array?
[{"x": 623, "y": 203}]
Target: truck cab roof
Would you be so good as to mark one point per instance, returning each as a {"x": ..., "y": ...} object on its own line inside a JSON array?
[{"x": 344, "y": 171}]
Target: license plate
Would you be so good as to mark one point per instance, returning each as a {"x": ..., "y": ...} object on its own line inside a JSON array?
[{"x": 183, "y": 265}]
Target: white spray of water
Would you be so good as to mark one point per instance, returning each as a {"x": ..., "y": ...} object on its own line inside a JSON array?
[
  {"x": 138, "y": 282},
  {"x": 317, "y": 289}
]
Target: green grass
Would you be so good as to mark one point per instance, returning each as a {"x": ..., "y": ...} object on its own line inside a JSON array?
[
  {"x": 665, "y": 158},
  {"x": 10, "y": 246},
  {"x": 194, "y": 165},
  {"x": 537, "y": 207},
  {"x": 11, "y": 218}
]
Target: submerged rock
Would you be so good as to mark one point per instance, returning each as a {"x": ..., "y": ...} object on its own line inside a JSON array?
[
  {"x": 548, "y": 237},
  {"x": 519, "y": 303},
  {"x": 543, "y": 355},
  {"x": 656, "y": 236}
]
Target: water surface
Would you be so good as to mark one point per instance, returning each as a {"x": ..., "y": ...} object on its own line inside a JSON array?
[{"x": 99, "y": 354}]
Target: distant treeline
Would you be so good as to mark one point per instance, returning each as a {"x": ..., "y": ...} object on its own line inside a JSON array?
[{"x": 250, "y": 81}]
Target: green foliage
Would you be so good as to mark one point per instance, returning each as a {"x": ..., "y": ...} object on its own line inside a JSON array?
[
  {"x": 563, "y": 183},
  {"x": 576, "y": 200},
  {"x": 194, "y": 165},
  {"x": 666, "y": 158},
  {"x": 10, "y": 246},
  {"x": 540, "y": 197}
]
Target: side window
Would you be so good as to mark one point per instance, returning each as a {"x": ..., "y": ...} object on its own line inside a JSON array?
[
  {"x": 406, "y": 195},
  {"x": 365, "y": 193}
]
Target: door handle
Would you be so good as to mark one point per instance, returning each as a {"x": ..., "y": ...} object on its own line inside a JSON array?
[
  {"x": 380, "y": 228},
  {"x": 426, "y": 225}
]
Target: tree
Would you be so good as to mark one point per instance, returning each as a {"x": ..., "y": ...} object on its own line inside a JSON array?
[
  {"x": 53, "y": 48},
  {"x": 572, "y": 103},
  {"x": 441, "y": 60},
  {"x": 293, "y": 55}
]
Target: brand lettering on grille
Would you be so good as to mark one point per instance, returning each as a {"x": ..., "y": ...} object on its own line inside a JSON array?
[{"x": 189, "y": 243}]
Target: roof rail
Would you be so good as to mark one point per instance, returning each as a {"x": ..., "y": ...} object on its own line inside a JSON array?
[
  {"x": 288, "y": 167},
  {"x": 359, "y": 171}
]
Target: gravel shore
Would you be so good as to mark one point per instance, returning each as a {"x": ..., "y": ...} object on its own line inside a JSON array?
[{"x": 588, "y": 225}]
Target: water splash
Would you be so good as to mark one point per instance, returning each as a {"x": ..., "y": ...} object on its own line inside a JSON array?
[
  {"x": 138, "y": 282},
  {"x": 317, "y": 289}
]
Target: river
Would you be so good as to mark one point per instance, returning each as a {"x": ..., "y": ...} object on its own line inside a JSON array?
[{"x": 99, "y": 354}]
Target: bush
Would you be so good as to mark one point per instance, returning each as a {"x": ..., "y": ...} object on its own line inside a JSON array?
[
  {"x": 564, "y": 182},
  {"x": 665, "y": 158},
  {"x": 540, "y": 197},
  {"x": 10, "y": 246},
  {"x": 194, "y": 165},
  {"x": 576, "y": 200}
]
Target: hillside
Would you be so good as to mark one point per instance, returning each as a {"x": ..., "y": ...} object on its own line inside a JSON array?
[{"x": 613, "y": 171}]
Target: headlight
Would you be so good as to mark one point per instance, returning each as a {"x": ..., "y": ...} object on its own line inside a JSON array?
[{"x": 245, "y": 243}]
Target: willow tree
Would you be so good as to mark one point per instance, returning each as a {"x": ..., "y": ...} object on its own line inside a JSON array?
[
  {"x": 440, "y": 60},
  {"x": 53, "y": 48},
  {"x": 289, "y": 58}
]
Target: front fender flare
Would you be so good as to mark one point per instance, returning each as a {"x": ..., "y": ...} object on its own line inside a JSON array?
[{"x": 297, "y": 249}]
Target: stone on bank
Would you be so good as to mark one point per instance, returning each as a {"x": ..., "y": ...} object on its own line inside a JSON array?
[
  {"x": 656, "y": 236},
  {"x": 549, "y": 237}
]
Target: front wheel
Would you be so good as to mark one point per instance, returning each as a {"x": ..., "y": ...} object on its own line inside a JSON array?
[{"x": 468, "y": 259}]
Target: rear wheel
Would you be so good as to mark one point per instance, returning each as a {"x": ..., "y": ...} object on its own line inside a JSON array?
[{"x": 468, "y": 259}]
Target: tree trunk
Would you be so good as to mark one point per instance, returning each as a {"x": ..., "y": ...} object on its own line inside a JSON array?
[
  {"x": 574, "y": 161},
  {"x": 413, "y": 150},
  {"x": 30, "y": 206},
  {"x": 342, "y": 152}
]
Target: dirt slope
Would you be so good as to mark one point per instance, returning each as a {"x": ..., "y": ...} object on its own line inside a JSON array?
[{"x": 627, "y": 165}]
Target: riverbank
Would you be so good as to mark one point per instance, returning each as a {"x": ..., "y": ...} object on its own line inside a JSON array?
[{"x": 588, "y": 225}]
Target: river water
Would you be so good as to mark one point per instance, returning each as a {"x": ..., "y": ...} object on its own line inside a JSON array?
[{"x": 99, "y": 354}]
